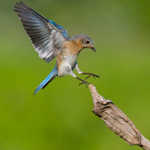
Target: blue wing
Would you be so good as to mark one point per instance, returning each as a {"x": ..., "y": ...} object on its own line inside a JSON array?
[
  {"x": 61, "y": 28},
  {"x": 47, "y": 37}
]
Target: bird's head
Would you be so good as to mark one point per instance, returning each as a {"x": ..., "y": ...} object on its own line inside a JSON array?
[{"x": 85, "y": 41}]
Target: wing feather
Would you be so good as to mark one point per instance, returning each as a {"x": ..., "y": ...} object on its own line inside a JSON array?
[{"x": 46, "y": 38}]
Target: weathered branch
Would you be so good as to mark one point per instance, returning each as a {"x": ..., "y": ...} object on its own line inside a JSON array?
[{"x": 117, "y": 121}]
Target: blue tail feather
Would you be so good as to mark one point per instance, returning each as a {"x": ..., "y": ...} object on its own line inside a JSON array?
[{"x": 47, "y": 80}]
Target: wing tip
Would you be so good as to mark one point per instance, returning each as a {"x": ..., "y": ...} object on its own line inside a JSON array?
[{"x": 19, "y": 5}]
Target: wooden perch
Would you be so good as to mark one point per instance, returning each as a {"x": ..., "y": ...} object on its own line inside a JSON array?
[{"x": 117, "y": 121}]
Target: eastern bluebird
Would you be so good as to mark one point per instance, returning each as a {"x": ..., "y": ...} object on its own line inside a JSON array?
[{"x": 51, "y": 40}]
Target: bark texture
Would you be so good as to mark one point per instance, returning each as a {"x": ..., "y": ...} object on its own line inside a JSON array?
[{"x": 117, "y": 121}]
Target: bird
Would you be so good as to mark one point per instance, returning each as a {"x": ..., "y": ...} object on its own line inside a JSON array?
[{"x": 51, "y": 40}]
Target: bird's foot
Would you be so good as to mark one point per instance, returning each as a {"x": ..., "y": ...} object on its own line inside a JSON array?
[
  {"x": 90, "y": 75},
  {"x": 83, "y": 82}
]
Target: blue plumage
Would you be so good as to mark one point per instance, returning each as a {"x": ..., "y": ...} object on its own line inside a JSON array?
[
  {"x": 49, "y": 78},
  {"x": 63, "y": 31}
]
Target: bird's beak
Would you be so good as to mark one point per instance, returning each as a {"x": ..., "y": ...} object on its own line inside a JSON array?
[{"x": 93, "y": 48}]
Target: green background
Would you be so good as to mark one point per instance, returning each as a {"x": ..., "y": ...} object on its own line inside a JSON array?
[{"x": 60, "y": 117}]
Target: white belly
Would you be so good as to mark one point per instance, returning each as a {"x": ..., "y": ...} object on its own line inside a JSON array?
[
  {"x": 66, "y": 65},
  {"x": 70, "y": 60}
]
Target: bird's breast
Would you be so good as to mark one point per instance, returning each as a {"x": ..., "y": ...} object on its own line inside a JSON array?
[
  {"x": 70, "y": 59},
  {"x": 66, "y": 64}
]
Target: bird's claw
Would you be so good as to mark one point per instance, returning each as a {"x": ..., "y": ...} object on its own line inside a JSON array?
[
  {"x": 84, "y": 82},
  {"x": 90, "y": 75}
]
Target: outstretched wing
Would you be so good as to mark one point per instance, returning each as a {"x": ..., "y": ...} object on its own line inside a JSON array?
[{"x": 47, "y": 37}]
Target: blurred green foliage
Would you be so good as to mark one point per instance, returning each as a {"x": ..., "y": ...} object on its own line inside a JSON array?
[{"x": 60, "y": 117}]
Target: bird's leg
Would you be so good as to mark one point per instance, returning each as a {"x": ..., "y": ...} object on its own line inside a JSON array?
[
  {"x": 78, "y": 69},
  {"x": 90, "y": 75},
  {"x": 81, "y": 80},
  {"x": 86, "y": 73}
]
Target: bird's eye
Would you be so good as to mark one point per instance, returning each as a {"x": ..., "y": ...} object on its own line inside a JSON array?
[{"x": 87, "y": 42}]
